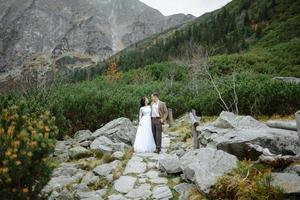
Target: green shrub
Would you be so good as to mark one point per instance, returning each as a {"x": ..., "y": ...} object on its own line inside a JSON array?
[
  {"x": 26, "y": 141},
  {"x": 91, "y": 104}
]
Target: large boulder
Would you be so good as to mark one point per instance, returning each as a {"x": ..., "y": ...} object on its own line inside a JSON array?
[
  {"x": 118, "y": 130},
  {"x": 205, "y": 166},
  {"x": 238, "y": 135},
  {"x": 162, "y": 192},
  {"x": 169, "y": 163},
  {"x": 104, "y": 144},
  {"x": 290, "y": 183}
]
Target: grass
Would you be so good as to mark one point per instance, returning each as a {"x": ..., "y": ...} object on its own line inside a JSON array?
[
  {"x": 91, "y": 164},
  {"x": 100, "y": 184},
  {"x": 247, "y": 181},
  {"x": 196, "y": 195},
  {"x": 171, "y": 185},
  {"x": 107, "y": 158},
  {"x": 118, "y": 172}
]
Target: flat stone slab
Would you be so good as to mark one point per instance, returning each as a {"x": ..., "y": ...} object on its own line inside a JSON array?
[
  {"x": 92, "y": 195},
  {"x": 141, "y": 192},
  {"x": 162, "y": 192},
  {"x": 118, "y": 155},
  {"x": 117, "y": 197},
  {"x": 143, "y": 180},
  {"x": 106, "y": 169},
  {"x": 151, "y": 165},
  {"x": 135, "y": 167},
  {"x": 124, "y": 184},
  {"x": 159, "y": 180},
  {"x": 289, "y": 182},
  {"x": 150, "y": 174}
]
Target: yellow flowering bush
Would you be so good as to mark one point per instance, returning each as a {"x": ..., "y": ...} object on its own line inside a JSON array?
[{"x": 26, "y": 140}]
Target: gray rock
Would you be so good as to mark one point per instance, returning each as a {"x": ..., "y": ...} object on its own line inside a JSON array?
[
  {"x": 62, "y": 195},
  {"x": 179, "y": 152},
  {"x": 288, "y": 125},
  {"x": 135, "y": 167},
  {"x": 150, "y": 174},
  {"x": 90, "y": 178},
  {"x": 159, "y": 180},
  {"x": 233, "y": 134},
  {"x": 106, "y": 169},
  {"x": 293, "y": 169},
  {"x": 204, "y": 166},
  {"x": 119, "y": 131},
  {"x": 141, "y": 192},
  {"x": 118, "y": 155},
  {"x": 151, "y": 165},
  {"x": 67, "y": 169},
  {"x": 58, "y": 183},
  {"x": 162, "y": 192},
  {"x": 82, "y": 187},
  {"x": 289, "y": 182},
  {"x": 124, "y": 184},
  {"x": 83, "y": 135},
  {"x": 85, "y": 144},
  {"x": 117, "y": 197},
  {"x": 169, "y": 163},
  {"x": 79, "y": 152},
  {"x": 61, "y": 151},
  {"x": 104, "y": 144},
  {"x": 184, "y": 190},
  {"x": 288, "y": 79},
  {"x": 143, "y": 180},
  {"x": 91, "y": 195}
]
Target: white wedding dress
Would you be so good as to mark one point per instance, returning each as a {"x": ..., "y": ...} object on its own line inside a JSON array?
[{"x": 144, "y": 141}]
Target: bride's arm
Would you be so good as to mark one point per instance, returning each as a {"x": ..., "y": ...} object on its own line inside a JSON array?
[{"x": 140, "y": 115}]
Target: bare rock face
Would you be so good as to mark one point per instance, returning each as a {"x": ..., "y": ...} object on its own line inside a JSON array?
[
  {"x": 97, "y": 28},
  {"x": 242, "y": 136},
  {"x": 205, "y": 166}
]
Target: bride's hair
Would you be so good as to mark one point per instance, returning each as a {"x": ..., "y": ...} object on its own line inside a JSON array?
[{"x": 143, "y": 101}]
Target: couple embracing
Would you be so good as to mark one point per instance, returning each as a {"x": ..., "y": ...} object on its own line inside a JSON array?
[{"x": 151, "y": 119}]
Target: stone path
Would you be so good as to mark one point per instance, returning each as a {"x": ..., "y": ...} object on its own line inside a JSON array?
[{"x": 142, "y": 179}]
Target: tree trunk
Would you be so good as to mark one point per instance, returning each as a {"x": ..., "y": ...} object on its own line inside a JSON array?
[
  {"x": 170, "y": 117},
  {"x": 297, "y": 117}
]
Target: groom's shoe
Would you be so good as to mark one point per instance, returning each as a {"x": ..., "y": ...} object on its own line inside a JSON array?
[{"x": 157, "y": 151}]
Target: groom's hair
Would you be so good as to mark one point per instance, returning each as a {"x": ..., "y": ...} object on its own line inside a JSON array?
[{"x": 155, "y": 94}]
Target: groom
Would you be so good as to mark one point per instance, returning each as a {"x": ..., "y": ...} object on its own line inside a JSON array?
[{"x": 159, "y": 114}]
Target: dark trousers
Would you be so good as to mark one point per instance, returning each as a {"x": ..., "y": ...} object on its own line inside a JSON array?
[{"x": 157, "y": 130}]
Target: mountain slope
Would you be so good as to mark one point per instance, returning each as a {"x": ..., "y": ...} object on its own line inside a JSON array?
[
  {"x": 270, "y": 27},
  {"x": 97, "y": 28}
]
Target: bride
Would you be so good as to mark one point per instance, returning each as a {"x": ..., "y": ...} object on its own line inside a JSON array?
[{"x": 144, "y": 141}]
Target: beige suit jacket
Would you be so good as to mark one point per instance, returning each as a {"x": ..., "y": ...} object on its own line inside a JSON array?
[{"x": 163, "y": 110}]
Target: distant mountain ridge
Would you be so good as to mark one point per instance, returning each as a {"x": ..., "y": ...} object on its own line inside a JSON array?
[
  {"x": 239, "y": 27},
  {"x": 96, "y": 28}
]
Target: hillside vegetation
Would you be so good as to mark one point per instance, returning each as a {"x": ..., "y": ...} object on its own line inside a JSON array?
[{"x": 262, "y": 34}]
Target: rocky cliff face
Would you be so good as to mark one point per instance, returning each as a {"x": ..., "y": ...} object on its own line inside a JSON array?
[{"x": 97, "y": 28}]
